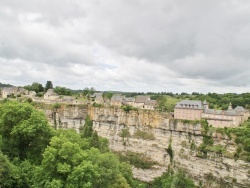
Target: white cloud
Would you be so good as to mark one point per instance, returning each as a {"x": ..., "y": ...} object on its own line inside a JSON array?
[{"x": 127, "y": 45}]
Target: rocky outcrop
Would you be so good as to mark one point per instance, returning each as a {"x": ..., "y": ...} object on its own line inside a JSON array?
[
  {"x": 132, "y": 118},
  {"x": 214, "y": 171},
  {"x": 215, "y": 168},
  {"x": 67, "y": 116}
]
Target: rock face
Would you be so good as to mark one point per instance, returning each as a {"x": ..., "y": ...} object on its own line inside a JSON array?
[
  {"x": 214, "y": 171},
  {"x": 67, "y": 116},
  {"x": 131, "y": 118}
]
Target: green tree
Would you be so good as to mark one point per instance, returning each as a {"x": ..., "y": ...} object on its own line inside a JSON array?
[
  {"x": 162, "y": 104},
  {"x": 109, "y": 169},
  {"x": 177, "y": 180},
  {"x": 62, "y": 90},
  {"x": 94, "y": 142},
  {"x": 25, "y": 131},
  {"x": 48, "y": 85},
  {"x": 181, "y": 181},
  {"x": 8, "y": 172},
  {"x": 62, "y": 160},
  {"x": 87, "y": 130},
  {"x": 107, "y": 95},
  {"x": 35, "y": 86}
]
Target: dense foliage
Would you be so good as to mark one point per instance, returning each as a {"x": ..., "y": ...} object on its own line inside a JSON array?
[
  {"x": 62, "y": 90},
  {"x": 177, "y": 180},
  {"x": 35, "y": 86},
  {"x": 35, "y": 155},
  {"x": 242, "y": 139},
  {"x": 5, "y": 85},
  {"x": 138, "y": 160}
]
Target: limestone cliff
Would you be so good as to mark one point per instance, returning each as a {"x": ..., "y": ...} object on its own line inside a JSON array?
[
  {"x": 132, "y": 118},
  {"x": 214, "y": 171}
]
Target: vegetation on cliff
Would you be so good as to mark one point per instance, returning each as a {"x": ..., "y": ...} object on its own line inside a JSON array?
[
  {"x": 138, "y": 160},
  {"x": 175, "y": 180},
  {"x": 241, "y": 136}
]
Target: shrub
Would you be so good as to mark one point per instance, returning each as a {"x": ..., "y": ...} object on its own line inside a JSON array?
[
  {"x": 138, "y": 160},
  {"x": 145, "y": 135}
]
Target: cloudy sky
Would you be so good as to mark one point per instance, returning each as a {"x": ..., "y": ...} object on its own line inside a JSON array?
[{"x": 127, "y": 45}]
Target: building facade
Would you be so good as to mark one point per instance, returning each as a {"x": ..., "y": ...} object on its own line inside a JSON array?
[
  {"x": 50, "y": 95},
  {"x": 117, "y": 99},
  {"x": 196, "y": 110},
  {"x": 189, "y": 109}
]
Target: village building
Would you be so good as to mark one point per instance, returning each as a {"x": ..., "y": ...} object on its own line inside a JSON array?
[
  {"x": 97, "y": 98},
  {"x": 196, "y": 110},
  {"x": 226, "y": 118},
  {"x": 189, "y": 109},
  {"x": 150, "y": 104},
  {"x": 117, "y": 99},
  {"x": 144, "y": 102},
  {"x": 51, "y": 95},
  {"x": 129, "y": 101},
  {"x": 7, "y": 91},
  {"x": 140, "y": 101}
]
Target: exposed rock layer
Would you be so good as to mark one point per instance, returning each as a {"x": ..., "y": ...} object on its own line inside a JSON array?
[{"x": 217, "y": 168}]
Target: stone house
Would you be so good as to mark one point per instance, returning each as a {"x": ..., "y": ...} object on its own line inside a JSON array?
[
  {"x": 7, "y": 91},
  {"x": 150, "y": 104},
  {"x": 144, "y": 102},
  {"x": 12, "y": 90},
  {"x": 97, "y": 98},
  {"x": 140, "y": 101},
  {"x": 129, "y": 101},
  {"x": 51, "y": 95},
  {"x": 117, "y": 100}
]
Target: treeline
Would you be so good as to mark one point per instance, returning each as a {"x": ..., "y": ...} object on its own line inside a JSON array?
[
  {"x": 5, "y": 85},
  {"x": 222, "y": 101},
  {"x": 40, "y": 89}
]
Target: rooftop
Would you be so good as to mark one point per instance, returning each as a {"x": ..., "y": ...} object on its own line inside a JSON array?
[
  {"x": 189, "y": 104},
  {"x": 141, "y": 99}
]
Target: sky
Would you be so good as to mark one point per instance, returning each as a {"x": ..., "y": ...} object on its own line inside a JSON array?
[{"x": 127, "y": 45}]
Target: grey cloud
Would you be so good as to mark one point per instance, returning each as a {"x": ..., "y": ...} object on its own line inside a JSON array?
[
  {"x": 179, "y": 31},
  {"x": 162, "y": 43}
]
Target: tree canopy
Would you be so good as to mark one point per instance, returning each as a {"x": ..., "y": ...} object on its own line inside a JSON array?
[
  {"x": 32, "y": 154},
  {"x": 35, "y": 86},
  {"x": 48, "y": 85},
  {"x": 25, "y": 131}
]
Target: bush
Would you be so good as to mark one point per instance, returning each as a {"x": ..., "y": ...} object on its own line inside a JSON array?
[
  {"x": 128, "y": 108},
  {"x": 138, "y": 160},
  {"x": 145, "y": 135},
  {"x": 125, "y": 133}
]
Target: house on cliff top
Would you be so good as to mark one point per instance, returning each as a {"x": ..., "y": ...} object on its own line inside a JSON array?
[
  {"x": 50, "y": 95},
  {"x": 144, "y": 102},
  {"x": 196, "y": 110},
  {"x": 97, "y": 98},
  {"x": 7, "y": 91},
  {"x": 117, "y": 99}
]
